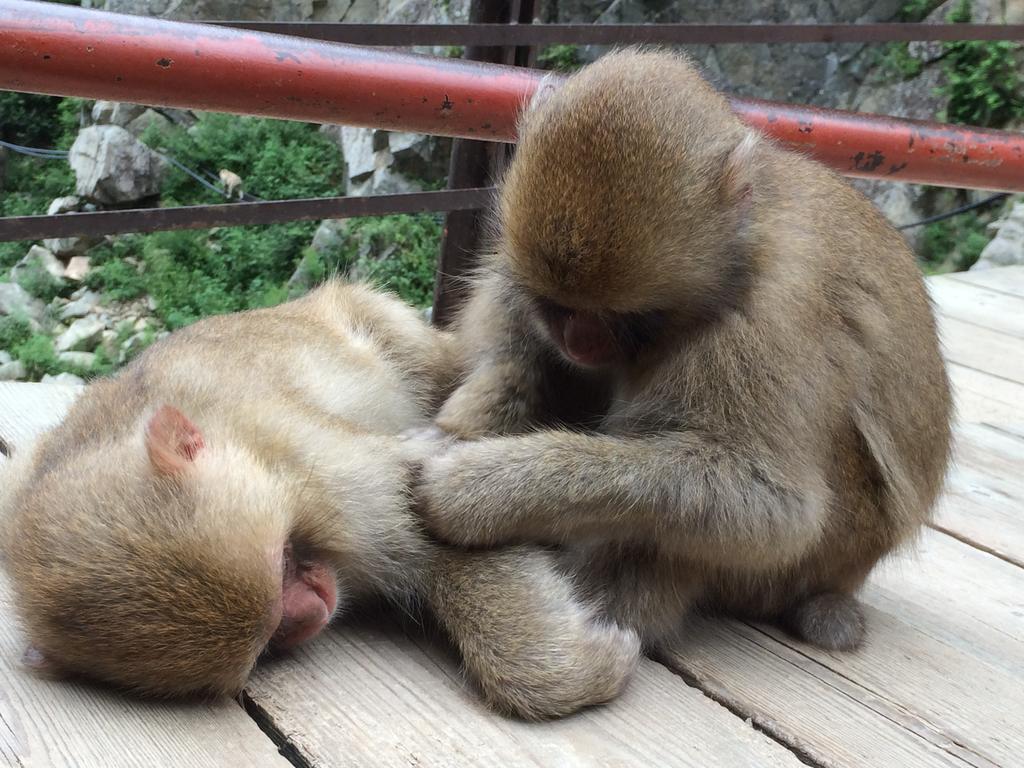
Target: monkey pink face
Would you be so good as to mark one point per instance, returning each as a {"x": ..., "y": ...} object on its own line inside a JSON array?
[
  {"x": 309, "y": 597},
  {"x": 597, "y": 339},
  {"x": 585, "y": 338}
]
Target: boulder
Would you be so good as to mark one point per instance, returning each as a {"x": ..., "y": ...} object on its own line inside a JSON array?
[
  {"x": 146, "y": 120},
  {"x": 199, "y": 10},
  {"x": 330, "y": 235},
  {"x": 5, "y": 357},
  {"x": 84, "y": 334},
  {"x": 67, "y": 204},
  {"x": 1007, "y": 247},
  {"x": 81, "y": 306},
  {"x": 84, "y": 360},
  {"x": 13, "y": 371},
  {"x": 115, "y": 112},
  {"x": 44, "y": 257},
  {"x": 66, "y": 379},
  {"x": 78, "y": 267},
  {"x": 15, "y": 300},
  {"x": 66, "y": 247},
  {"x": 111, "y": 166}
]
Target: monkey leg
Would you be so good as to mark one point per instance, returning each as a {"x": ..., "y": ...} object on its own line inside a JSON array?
[
  {"x": 830, "y": 620},
  {"x": 635, "y": 587},
  {"x": 534, "y": 649}
]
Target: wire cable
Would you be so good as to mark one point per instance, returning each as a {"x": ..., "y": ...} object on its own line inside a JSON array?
[{"x": 956, "y": 211}]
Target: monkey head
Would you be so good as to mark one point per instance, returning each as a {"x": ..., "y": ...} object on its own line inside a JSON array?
[
  {"x": 626, "y": 207},
  {"x": 164, "y": 562}
]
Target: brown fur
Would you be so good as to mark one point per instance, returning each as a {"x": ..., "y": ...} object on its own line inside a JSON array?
[
  {"x": 782, "y": 424},
  {"x": 159, "y": 568}
]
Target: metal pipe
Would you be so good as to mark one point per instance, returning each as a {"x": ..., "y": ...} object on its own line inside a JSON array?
[
  {"x": 627, "y": 34},
  {"x": 68, "y": 51}
]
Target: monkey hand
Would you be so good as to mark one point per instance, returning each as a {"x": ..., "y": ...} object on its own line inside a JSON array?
[{"x": 457, "y": 502}]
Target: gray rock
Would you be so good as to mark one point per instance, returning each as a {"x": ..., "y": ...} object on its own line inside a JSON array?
[
  {"x": 147, "y": 119},
  {"x": 45, "y": 258},
  {"x": 5, "y": 357},
  {"x": 112, "y": 166},
  {"x": 13, "y": 371},
  {"x": 81, "y": 306},
  {"x": 115, "y": 112},
  {"x": 1007, "y": 247},
  {"x": 330, "y": 235},
  {"x": 78, "y": 267},
  {"x": 15, "y": 300},
  {"x": 198, "y": 10},
  {"x": 66, "y": 247},
  {"x": 83, "y": 334},
  {"x": 78, "y": 359},
  {"x": 66, "y": 379},
  {"x": 66, "y": 204}
]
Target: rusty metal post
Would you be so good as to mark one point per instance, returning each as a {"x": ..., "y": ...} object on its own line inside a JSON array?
[
  {"x": 473, "y": 164},
  {"x": 69, "y": 51}
]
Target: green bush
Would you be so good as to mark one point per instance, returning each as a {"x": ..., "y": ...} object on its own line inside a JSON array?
[
  {"x": 276, "y": 159},
  {"x": 953, "y": 244},
  {"x": 560, "y": 58},
  {"x": 13, "y": 331},
  {"x": 410, "y": 268},
  {"x": 40, "y": 283},
  {"x": 984, "y": 84},
  {"x": 38, "y": 356}
]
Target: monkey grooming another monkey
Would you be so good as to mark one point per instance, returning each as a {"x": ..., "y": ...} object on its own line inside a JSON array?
[
  {"x": 241, "y": 483},
  {"x": 777, "y": 417}
]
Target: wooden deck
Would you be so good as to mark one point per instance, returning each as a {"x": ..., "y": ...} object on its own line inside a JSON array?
[{"x": 940, "y": 681}]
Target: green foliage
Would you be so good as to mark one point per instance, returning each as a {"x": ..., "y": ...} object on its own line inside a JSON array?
[
  {"x": 34, "y": 278},
  {"x": 896, "y": 63},
  {"x": 953, "y": 244},
  {"x": 984, "y": 84},
  {"x": 561, "y": 58},
  {"x": 13, "y": 331},
  {"x": 276, "y": 159},
  {"x": 29, "y": 183},
  {"x": 916, "y": 10},
  {"x": 409, "y": 268},
  {"x": 38, "y": 356}
]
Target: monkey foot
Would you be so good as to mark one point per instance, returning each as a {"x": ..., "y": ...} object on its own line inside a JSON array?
[{"x": 831, "y": 620}]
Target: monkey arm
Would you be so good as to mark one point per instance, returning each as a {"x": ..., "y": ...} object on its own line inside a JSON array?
[
  {"x": 689, "y": 492},
  {"x": 506, "y": 610},
  {"x": 502, "y": 394}
]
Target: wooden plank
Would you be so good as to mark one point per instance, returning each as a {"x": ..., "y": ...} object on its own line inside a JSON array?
[
  {"x": 55, "y": 723},
  {"x": 979, "y": 306},
  {"x": 985, "y": 350},
  {"x": 366, "y": 695},
  {"x": 984, "y": 498},
  {"x": 1008, "y": 280},
  {"x": 943, "y": 667},
  {"x": 982, "y": 397}
]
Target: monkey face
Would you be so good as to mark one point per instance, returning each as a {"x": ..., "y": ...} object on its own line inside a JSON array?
[
  {"x": 309, "y": 598},
  {"x": 591, "y": 339},
  {"x": 167, "y": 567}
]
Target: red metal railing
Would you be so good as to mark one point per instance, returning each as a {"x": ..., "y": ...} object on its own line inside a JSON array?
[{"x": 65, "y": 50}]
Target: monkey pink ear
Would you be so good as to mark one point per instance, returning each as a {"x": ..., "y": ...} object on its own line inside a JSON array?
[
  {"x": 738, "y": 176},
  {"x": 172, "y": 440},
  {"x": 39, "y": 663}
]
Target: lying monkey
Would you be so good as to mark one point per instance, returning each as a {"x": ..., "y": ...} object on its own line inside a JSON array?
[{"x": 241, "y": 483}]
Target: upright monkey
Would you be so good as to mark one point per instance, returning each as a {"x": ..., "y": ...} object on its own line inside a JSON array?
[
  {"x": 777, "y": 412},
  {"x": 241, "y": 482}
]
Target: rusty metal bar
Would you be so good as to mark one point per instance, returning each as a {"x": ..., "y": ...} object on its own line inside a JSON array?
[
  {"x": 473, "y": 164},
  {"x": 625, "y": 34},
  {"x": 65, "y": 50},
  {"x": 237, "y": 214}
]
